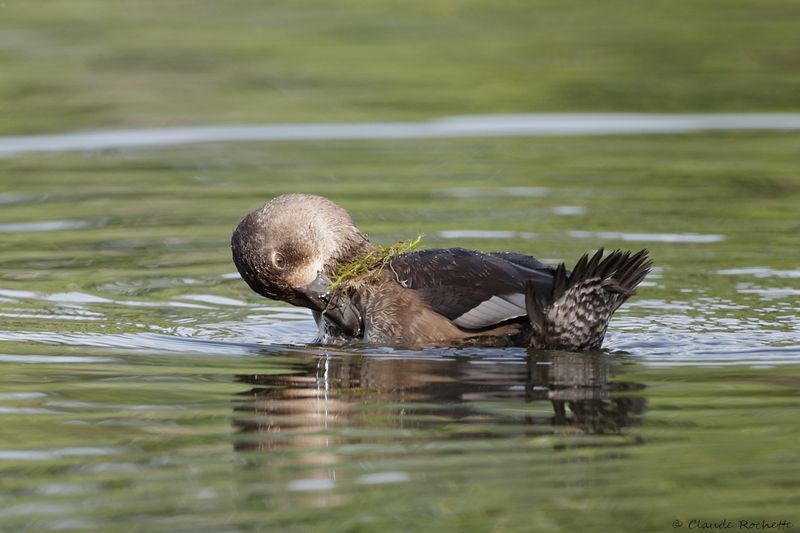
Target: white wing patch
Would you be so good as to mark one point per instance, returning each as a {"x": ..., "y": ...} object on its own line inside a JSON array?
[{"x": 493, "y": 311}]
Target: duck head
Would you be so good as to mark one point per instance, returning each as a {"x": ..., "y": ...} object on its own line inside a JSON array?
[{"x": 287, "y": 249}]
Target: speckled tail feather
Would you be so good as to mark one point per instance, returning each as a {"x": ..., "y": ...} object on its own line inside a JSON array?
[{"x": 575, "y": 315}]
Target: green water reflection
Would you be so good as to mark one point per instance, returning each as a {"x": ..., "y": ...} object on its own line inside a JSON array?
[
  {"x": 460, "y": 439},
  {"x": 144, "y": 386}
]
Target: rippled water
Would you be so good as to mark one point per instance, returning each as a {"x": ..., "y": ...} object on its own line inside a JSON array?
[
  {"x": 142, "y": 386},
  {"x": 509, "y": 125}
]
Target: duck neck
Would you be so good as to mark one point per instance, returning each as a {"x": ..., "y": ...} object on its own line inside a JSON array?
[{"x": 352, "y": 250}]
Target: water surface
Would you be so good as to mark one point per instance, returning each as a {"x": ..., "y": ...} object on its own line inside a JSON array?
[
  {"x": 508, "y": 125},
  {"x": 142, "y": 386}
]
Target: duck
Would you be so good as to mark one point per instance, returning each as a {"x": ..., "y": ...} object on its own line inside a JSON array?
[{"x": 291, "y": 248}]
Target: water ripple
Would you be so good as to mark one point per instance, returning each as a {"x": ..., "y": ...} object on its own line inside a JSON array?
[
  {"x": 49, "y": 359},
  {"x": 510, "y": 125},
  {"x": 470, "y": 193},
  {"x": 484, "y": 234},
  {"x": 761, "y": 272},
  {"x": 47, "y": 226},
  {"x": 691, "y": 238},
  {"x": 58, "y": 453}
]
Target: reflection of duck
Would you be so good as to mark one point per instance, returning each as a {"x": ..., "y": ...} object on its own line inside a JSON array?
[
  {"x": 582, "y": 385},
  {"x": 290, "y": 248},
  {"x": 363, "y": 399}
]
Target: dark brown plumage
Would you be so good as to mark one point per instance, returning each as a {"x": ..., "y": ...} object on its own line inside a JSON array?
[{"x": 289, "y": 249}]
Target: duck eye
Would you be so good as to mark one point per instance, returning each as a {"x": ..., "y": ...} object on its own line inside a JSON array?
[{"x": 278, "y": 260}]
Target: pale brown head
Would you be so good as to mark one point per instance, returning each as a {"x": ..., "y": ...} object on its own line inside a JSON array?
[{"x": 283, "y": 246}]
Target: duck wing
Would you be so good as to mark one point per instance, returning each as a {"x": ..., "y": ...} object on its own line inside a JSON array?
[{"x": 473, "y": 289}]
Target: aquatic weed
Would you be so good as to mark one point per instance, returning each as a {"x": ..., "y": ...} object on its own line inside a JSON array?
[{"x": 372, "y": 263}]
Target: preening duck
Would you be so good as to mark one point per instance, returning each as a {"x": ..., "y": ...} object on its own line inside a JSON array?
[{"x": 291, "y": 248}]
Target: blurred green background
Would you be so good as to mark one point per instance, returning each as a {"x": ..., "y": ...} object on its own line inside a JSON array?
[{"x": 80, "y": 64}]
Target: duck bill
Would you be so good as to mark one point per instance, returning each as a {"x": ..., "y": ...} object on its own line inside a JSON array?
[
  {"x": 313, "y": 295},
  {"x": 337, "y": 308}
]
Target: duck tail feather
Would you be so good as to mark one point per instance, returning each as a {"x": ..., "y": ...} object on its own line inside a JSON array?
[
  {"x": 612, "y": 263},
  {"x": 592, "y": 266},
  {"x": 559, "y": 282},
  {"x": 535, "y": 307},
  {"x": 579, "y": 272},
  {"x": 576, "y": 315},
  {"x": 634, "y": 269}
]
